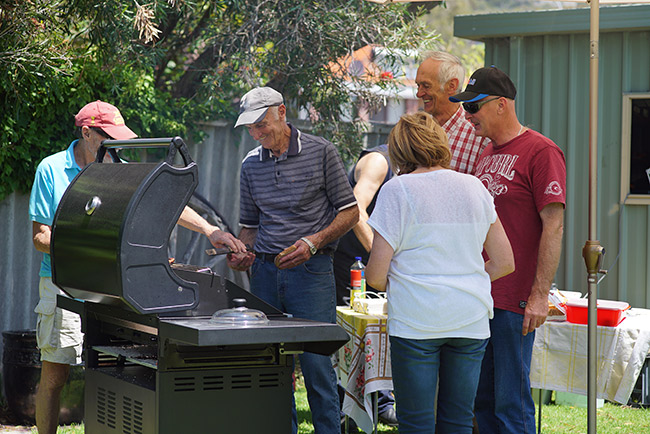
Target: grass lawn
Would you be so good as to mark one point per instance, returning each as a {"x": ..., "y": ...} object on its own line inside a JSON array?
[
  {"x": 556, "y": 419},
  {"x": 611, "y": 419}
]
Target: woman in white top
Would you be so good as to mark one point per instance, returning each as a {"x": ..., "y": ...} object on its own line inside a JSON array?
[{"x": 431, "y": 225}]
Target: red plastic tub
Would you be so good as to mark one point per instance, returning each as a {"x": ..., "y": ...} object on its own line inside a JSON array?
[{"x": 609, "y": 312}]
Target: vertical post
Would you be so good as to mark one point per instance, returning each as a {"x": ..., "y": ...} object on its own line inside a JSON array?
[
  {"x": 539, "y": 412},
  {"x": 592, "y": 251},
  {"x": 375, "y": 411}
]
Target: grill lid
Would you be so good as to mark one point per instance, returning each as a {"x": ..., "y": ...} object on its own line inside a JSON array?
[{"x": 111, "y": 231}]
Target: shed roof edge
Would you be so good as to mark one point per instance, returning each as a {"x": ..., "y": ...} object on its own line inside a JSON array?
[{"x": 560, "y": 21}]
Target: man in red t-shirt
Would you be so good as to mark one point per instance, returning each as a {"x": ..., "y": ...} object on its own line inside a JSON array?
[{"x": 526, "y": 174}]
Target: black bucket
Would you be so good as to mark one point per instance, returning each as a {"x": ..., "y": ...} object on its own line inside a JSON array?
[{"x": 21, "y": 373}]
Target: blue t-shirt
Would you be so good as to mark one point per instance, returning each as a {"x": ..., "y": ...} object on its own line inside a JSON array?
[{"x": 53, "y": 176}]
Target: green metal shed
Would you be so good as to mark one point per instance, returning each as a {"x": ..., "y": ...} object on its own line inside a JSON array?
[{"x": 546, "y": 53}]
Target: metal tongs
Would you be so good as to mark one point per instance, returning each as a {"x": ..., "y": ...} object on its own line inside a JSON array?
[{"x": 224, "y": 250}]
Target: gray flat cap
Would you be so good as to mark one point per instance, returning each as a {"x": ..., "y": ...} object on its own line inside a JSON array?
[{"x": 255, "y": 103}]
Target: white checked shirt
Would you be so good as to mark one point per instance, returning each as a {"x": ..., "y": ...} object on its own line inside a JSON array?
[{"x": 465, "y": 145}]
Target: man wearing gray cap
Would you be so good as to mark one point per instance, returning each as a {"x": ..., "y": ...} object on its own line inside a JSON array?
[
  {"x": 295, "y": 203},
  {"x": 526, "y": 174}
]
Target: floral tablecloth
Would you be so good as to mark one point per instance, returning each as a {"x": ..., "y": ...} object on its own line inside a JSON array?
[
  {"x": 559, "y": 359},
  {"x": 364, "y": 363}
]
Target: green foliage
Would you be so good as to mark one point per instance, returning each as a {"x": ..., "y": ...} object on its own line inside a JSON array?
[
  {"x": 168, "y": 64},
  {"x": 40, "y": 120},
  {"x": 29, "y": 55}
]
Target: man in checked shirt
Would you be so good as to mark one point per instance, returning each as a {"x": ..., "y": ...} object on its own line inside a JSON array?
[{"x": 440, "y": 76}]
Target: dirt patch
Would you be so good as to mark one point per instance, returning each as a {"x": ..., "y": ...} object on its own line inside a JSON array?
[{"x": 9, "y": 429}]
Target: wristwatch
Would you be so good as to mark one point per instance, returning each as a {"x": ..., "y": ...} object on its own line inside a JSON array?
[{"x": 312, "y": 247}]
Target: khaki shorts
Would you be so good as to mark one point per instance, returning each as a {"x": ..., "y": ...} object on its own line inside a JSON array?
[{"x": 58, "y": 331}]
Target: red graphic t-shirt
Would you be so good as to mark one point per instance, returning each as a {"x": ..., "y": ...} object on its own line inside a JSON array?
[{"x": 523, "y": 175}]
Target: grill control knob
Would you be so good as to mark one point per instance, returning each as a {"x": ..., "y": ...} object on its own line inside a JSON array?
[{"x": 92, "y": 205}]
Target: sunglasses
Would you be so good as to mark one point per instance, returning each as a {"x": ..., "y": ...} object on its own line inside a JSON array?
[
  {"x": 101, "y": 133},
  {"x": 474, "y": 107}
]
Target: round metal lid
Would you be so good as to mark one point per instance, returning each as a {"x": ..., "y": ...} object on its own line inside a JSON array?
[{"x": 239, "y": 316}]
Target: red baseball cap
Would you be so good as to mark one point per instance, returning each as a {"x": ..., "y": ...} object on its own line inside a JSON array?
[{"x": 105, "y": 116}]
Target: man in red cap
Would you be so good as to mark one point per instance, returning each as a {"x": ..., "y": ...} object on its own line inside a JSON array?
[{"x": 59, "y": 334}]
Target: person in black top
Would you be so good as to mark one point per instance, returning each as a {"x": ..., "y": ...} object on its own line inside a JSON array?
[{"x": 367, "y": 176}]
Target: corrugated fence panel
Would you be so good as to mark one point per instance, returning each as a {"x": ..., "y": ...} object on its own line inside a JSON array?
[
  {"x": 633, "y": 262},
  {"x": 609, "y": 154},
  {"x": 377, "y": 135},
  {"x": 637, "y": 73},
  {"x": 555, "y": 109},
  {"x": 19, "y": 264},
  {"x": 634, "y": 277},
  {"x": 576, "y": 149},
  {"x": 219, "y": 158}
]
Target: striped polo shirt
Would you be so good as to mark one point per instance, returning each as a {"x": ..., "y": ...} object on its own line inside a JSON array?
[{"x": 294, "y": 195}]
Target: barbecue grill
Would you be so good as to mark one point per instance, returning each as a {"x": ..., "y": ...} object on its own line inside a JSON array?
[{"x": 156, "y": 359}]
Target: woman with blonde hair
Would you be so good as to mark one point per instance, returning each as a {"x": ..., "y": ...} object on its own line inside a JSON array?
[{"x": 430, "y": 227}]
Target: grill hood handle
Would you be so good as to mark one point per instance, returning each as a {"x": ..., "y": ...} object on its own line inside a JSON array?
[{"x": 174, "y": 145}]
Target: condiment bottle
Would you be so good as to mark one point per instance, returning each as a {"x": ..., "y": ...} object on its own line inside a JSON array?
[{"x": 357, "y": 280}]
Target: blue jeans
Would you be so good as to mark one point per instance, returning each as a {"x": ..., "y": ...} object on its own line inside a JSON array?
[
  {"x": 306, "y": 291},
  {"x": 503, "y": 402},
  {"x": 417, "y": 366}
]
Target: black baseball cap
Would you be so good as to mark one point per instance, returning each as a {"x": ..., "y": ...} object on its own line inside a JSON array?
[{"x": 485, "y": 82}]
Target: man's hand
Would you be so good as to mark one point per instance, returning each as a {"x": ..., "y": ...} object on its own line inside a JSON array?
[
  {"x": 300, "y": 255},
  {"x": 536, "y": 311},
  {"x": 191, "y": 220},
  {"x": 240, "y": 261},
  {"x": 41, "y": 236},
  {"x": 220, "y": 238},
  {"x": 548, "y": 258}
]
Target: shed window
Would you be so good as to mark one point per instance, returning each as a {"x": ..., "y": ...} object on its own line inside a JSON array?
[{"x": 635, "y": 152}]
